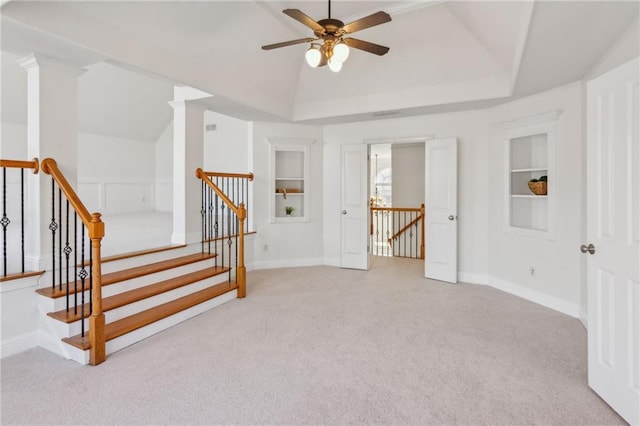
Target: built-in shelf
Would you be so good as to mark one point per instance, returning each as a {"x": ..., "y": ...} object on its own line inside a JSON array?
[
  {"x": 529, "y": 154},
  {"x": 290, "y": 179}
]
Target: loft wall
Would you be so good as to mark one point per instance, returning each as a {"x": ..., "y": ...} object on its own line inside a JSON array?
[
  {"x": 471, "y": 130},
  {"x": 556, "y": 261},
  {"x": 287, "y": 244}
]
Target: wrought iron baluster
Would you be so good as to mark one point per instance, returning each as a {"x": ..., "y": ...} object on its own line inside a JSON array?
[
  {"x": 210, "y": 206},
  {"x": 203, "y": 226},
  {"x": 67, "y": 252},
  {"x": 75, "y": 262},
  {"x": 22, "y": 216},
  {"x": 52, "y": 227},
  {"x": 404, "y": 254},
  {"x": 5, "y": 221},
  {"x": 216, "y": 225},
  {"x": 60, "y": 238},
  {"x": 83, "y": 277},
  {"x": 90, "y": 276}
]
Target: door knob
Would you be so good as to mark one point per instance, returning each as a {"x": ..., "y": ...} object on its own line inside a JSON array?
[
  {"x": 591, "y": 249},
  {"x": 343, "y": 212},
  {"x": 451, "y": 217}
]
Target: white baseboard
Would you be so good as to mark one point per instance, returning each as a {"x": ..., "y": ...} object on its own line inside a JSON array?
[
  {"x": 471, "y": 278},
  {"x": 332, "y": 261},
  {"x": 17, "y": 344},
  {"x": 583, "y": 317},
  {"x": 287, "y": 263},
  {"x": 551, "y": 302}
]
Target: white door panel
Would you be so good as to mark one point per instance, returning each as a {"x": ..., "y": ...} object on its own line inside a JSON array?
[
  {"x": 613, "y": 223},
  {"x": 441, "y": 209},
  {"x": 355, "y": 205}
]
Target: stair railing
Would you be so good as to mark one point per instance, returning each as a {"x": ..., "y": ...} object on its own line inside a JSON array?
[
  {"x": 8, "y": 217},
  {"x": 69, "y": 273},
  {"x": 223, "y": 212},
  {"x": 397, "y": 231}
]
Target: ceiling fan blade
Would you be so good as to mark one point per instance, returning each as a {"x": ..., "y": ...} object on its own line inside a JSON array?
[
  {"x": 288, "y": 43},
  {"x": 366, "y": 22},
  {"x": 376, "y": 49},
  {"x": 304, "y": 19}
]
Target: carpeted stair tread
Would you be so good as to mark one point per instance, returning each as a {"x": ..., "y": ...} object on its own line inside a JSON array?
[
  {"x": 125, "y": 298},
  {"x": 127, "y": 274},
  {"x": 149, "y": 316}
]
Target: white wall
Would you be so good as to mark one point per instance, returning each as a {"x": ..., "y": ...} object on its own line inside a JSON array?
[
  {"x": 115, "y": 175},
  {"x": 13, "y": 141},
  {"x": 556, "y": 282},
  {"x": 288, "y": 244},
  {"x": 471, "y": 130},
  {"x": 164, "y": 170},
  {"x": 408, "y": 174},
  {"x": 228, "y": 147}
]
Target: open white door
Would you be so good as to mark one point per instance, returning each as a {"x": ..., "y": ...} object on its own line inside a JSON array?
[
  {"x": 441, "y": 210},
  {"x": 355, "y": 207},
  {"x": 613, "y": 232}
]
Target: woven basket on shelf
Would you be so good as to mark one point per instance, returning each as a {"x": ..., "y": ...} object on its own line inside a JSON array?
[{"x": 538, "y": 188}]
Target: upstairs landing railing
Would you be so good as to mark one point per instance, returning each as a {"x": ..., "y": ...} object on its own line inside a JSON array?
[
  {"x": 223, "y": 210},
  {"x": 397, "y": 231},
  {"x": 13, "y": 215},
  {"x": 74, "y": 245}
]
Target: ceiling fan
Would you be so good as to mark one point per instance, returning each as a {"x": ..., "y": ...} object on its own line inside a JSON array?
[{"x": 334, "y": 47}]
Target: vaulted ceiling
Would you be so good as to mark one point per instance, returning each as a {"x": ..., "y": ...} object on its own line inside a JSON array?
[{"x": 444, "y": 55}]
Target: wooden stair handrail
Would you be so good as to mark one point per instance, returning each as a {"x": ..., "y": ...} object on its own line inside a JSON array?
[
  {"x": 50, "y": 167},
  {"x": 396, "y": 209},
  {"x": 241, "y": 212},
  {"x": 407, "y": 226},
  {"x": 200, "y": 174},
  {"x": 231, "y": 175},
  {"x": 95, "y": 228},
  {"x": 21, "y": 164}
]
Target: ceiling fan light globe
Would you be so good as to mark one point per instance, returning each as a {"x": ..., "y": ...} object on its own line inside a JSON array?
[
  {"x": 334, "y": 65},
  {"x": 313, "y": 57},
  {"x": 340, "y": 52}
]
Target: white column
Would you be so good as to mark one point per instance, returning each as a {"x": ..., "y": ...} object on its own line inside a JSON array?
[
  {"x": 188, "y": 148},
  {"x": 52, "y": 131}
]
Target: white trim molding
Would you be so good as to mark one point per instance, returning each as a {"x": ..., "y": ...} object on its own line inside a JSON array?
[{"x": 551, "y": 302}]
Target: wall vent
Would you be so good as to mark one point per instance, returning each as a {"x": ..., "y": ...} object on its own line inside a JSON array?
[{"x": 211, "y": 127}]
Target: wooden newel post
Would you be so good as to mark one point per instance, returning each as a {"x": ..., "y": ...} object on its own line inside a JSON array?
[
  {"x": 98, "y": 352},
  {"x": 422, "y": 210},
  {"x": 241, "y": 276}
]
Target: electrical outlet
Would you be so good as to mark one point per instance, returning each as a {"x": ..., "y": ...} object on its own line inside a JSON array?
[
  {"x": 532, "y": 271},
  {"x": 265, "y": 248}
]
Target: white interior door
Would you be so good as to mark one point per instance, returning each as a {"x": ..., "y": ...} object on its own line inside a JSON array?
[
  {"x": 613, "y": 227},
  {"x": 441, "y": 210},
  {"x": 355, "y": 207}
]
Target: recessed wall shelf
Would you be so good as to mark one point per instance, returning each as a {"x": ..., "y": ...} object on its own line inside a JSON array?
[
  {"x": 529, "y": 154},
  {"x": 289, "y": 183}
]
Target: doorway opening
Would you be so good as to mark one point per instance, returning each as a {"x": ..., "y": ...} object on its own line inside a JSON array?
[{"x": 396, "y": 200}]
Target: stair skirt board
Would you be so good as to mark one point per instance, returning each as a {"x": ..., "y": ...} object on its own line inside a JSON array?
[
  {"x": 142, "y": 333},
  {"x": 66, "y": 330}
]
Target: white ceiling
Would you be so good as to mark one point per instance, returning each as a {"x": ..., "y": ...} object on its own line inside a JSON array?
[{"x": 445, "y": 55}]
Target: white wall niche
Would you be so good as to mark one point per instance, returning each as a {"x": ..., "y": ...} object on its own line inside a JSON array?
[{"x": 529, "y": 152}]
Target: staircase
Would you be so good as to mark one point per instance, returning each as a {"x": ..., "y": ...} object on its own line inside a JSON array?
[
  {"x": 166, "y": 287},
  {"x": 95, "y": 306}
]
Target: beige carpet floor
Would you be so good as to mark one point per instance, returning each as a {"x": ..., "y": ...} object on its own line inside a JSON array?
[{"x": 323, "y": 345}]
